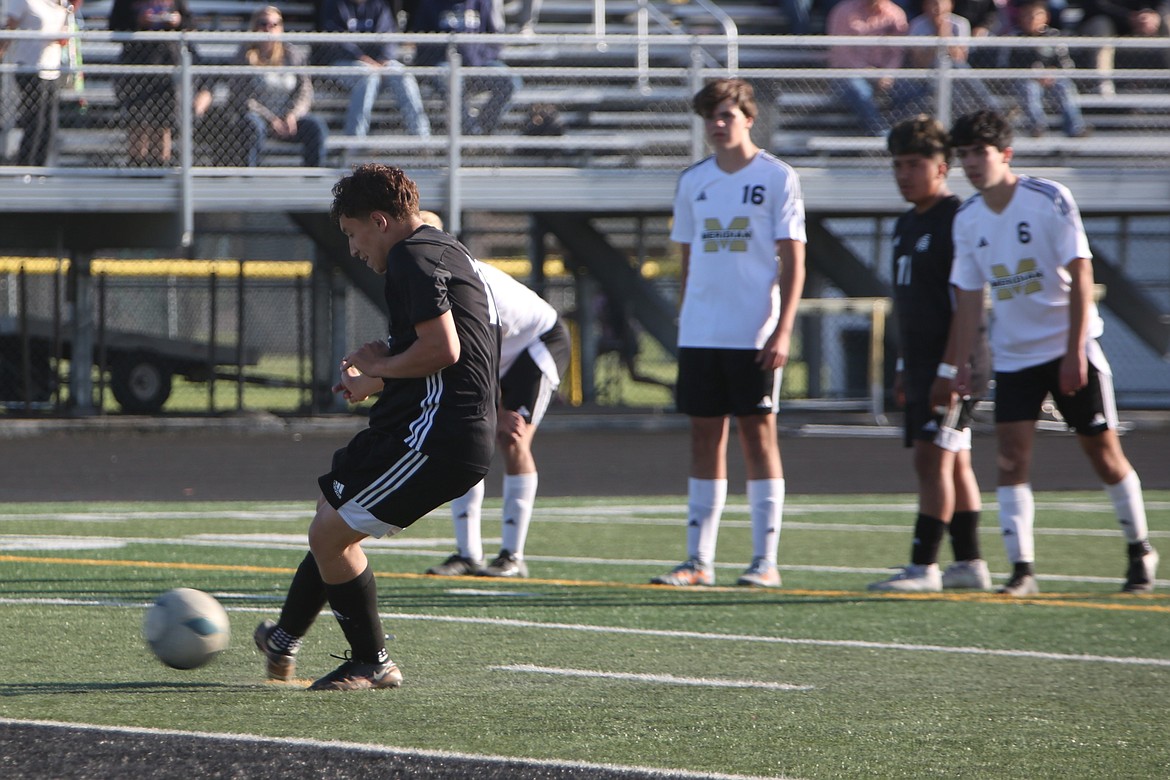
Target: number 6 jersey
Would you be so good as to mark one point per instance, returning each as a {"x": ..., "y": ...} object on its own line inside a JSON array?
[{"x": 1023, "y": 253}]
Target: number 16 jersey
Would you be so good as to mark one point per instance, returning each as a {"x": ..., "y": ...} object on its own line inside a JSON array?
[{"x": 732, "y": 222}]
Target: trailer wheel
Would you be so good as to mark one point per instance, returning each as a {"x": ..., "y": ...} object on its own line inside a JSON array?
[{"x": 141, "y": 383}]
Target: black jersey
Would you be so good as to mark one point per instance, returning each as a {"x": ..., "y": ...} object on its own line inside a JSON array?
[
  {"x": 923, "y": 299},
  {"x": 450, "y": 414}
]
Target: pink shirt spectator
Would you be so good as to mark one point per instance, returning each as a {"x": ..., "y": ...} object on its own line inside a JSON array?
[{"x": 866, "y": 17}]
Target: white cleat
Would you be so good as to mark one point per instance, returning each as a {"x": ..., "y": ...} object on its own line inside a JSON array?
[
  {"x": 915, "y": 578},
  {"x": 972, "y": 574}
]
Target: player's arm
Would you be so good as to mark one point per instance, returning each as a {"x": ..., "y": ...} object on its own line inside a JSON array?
[
  {"x": 684, "y": 266},
  {"x": 776, "y": 349},
  {"x": 436, "y": 348},
  {"x": 1074, "y": 366},
  {"x": 960, "y": 341}
]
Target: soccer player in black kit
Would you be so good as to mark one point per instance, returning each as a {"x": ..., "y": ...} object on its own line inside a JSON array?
[
  {"x": 948, "y": 494},
  {"x": 431, "y": 431}
]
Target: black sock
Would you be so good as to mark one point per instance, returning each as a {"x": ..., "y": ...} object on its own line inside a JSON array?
[
  {"x": 1139, "y": 549},
  {"x": 355, "y": 605},
  {"x": 1022, "y": 568},
  {"x": 305, "y": 599},
  {"x": 965, "y": 535},
  {"x": 928, "y": 534}
]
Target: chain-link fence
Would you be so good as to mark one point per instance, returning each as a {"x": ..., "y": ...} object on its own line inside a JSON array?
[
  {"x": 574, "y": 103},
  {"x": 246, "y": 99}
]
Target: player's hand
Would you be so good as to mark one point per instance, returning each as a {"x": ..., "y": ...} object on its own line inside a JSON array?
[
  {"x": 510, "y": 426},
  {"x": 942, "y": 394},
  {"x": 367, "y": 357},
  {"x": 774, "y": 353},
  {"x": 1074, "y": 372},
  {"x": 355, "y": 386}
]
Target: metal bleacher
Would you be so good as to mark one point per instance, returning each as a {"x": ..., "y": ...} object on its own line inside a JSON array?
[{"x": 618, "y": 85}]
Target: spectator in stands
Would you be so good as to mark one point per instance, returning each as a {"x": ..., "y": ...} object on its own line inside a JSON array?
[
  {"x": 937, "y": 20},
  {"x": 1126, "y": 18},
  {"x": 469, "y": 16},
  {"x": 274, "y": 101},
  {"x": 39, "y": 74},
  {"x": 385, "y": 71},
  {"x": 148, "y": 100},
  {"x": 1053, "y": 62},
  {"x": 987, "y": 19},
  {"x": 867, "y": 17}
]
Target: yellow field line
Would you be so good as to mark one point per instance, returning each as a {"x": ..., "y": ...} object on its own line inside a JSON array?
[{"x": 1067, "y": 600}]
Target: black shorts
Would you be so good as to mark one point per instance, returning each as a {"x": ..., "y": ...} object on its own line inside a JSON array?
[
  {"x": 950, "y": 431},
  {"x": 525, "y": 388},
  {"x": 379, "y": 485},
  {"x": 718, "y": 382},
  {"x": 1019, "y": 396}
]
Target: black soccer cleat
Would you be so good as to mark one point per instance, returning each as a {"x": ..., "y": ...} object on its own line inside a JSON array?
[
  {"x": 1139, "y": 577},
  {"x": 358, "y": 675},
  {"x": 280, "y": 666}
]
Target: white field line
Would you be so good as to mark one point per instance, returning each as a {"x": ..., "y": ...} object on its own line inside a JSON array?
[
  {"x": 382, "y": 750},
  {"x": 665, "y": 679},
  {"x": 633, "y": 514},
  {"x": 849, "y": 644}
]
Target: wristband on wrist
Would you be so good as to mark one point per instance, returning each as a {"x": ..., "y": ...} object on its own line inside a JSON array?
[
  {"x": 947, "y": 371},
  {"x": 899, "y": 365}
]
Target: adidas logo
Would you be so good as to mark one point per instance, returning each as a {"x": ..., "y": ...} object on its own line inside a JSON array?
[
  {"x": 702, "y": 196},
  {"x": 338, "y": 488},
  {"x": 509, "y": 521},
  {"x": 765, "y": 402},
  {"x": 923, "y": 243},
  {"x": 982, "y": 242}
]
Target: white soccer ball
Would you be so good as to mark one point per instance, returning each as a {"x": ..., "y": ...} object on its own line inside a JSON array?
[{"x": 186, "y": 628}]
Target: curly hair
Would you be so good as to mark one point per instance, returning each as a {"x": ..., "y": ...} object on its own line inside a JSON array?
[
  {"x": 922, "y": 135},
  {"x": 375, "y": 187},
  {"x": 715, "y": 92},
  {"x": 984, "y": 128}
]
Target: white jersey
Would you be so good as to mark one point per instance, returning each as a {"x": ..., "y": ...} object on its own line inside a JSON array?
[
  {"x": 732, "y": 222},
  {"x": 524, "y": 318},
  {"x": 1023, "y": 253}
]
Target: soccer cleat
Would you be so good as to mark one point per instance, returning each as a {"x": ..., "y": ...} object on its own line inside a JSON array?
[
  {"x": 915, "y": 578},
  {"x": 1139, "y": 578},
  {"x": 691, "y": 572},
  {"x": 1020, "y": 585},
  {"x": 505, "y": 565},
  {"x": 281, "y": 666},
  {"x": 972, "y": 574},
  {"x": 761, "y": 574},
  {"x": 358, "y": 675},
  {"x": 456, "y": 566}
]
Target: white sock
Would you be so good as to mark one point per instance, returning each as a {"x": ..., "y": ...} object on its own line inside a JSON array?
[
  {"x": 766, "y": 501},
  {"x": 705, "y": 500},
  {"x": 1126, "y": 496},
  {"x": 1017, "y": 513},
  {"x": 465, "y": 515},
  {"x": 519, "y": 497}
]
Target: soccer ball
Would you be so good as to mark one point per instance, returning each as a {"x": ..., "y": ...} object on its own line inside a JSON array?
[{"x": 186, "y": 628}]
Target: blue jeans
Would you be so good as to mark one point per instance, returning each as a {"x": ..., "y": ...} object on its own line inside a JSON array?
[
  {"x": 1031, "y": 95},
  {"x": 967, "y": 95},
  {"x": 500, "y": 90},
  {"x": 859, "y": 94},
  {"x": 364, "y": 90},
  {"x": 311, "y": 134}
]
